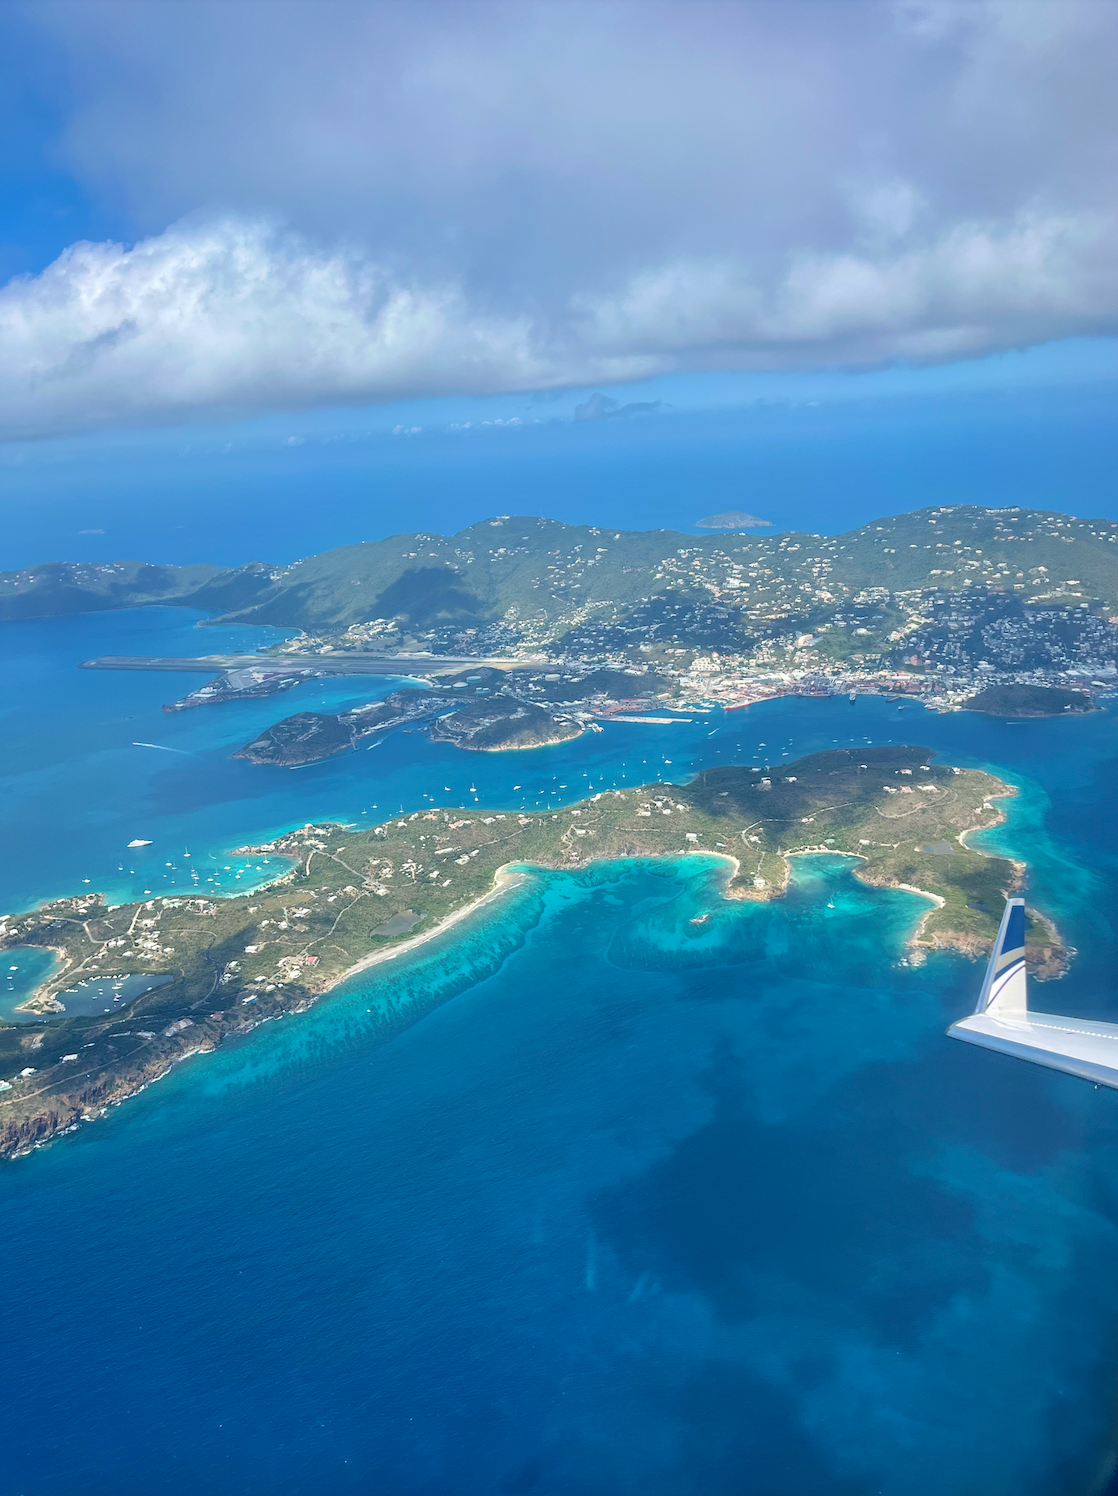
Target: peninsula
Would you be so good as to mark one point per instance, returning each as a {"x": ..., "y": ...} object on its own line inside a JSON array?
[
  {"x": 496, "y": 710},
  {"x": 352, "y": 895},
  {"x": 308, "y": 736}
]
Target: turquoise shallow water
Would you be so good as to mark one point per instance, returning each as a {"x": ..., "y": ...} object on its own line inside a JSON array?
[{"x": 589, "y": 1198}]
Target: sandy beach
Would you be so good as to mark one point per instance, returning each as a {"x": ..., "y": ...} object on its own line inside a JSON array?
[{"x": 504, "y": 879}]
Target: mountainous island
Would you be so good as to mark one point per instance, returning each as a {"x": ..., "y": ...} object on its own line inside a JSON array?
[
  {"x": 353, "y": 894},
  {"x": 942, "y": 603}
]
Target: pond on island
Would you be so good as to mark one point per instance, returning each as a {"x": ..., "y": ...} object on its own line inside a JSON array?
[{"x": 399, "y": 924}]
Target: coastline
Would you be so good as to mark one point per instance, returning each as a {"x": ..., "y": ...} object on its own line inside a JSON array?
[
  {"x": 38, "y": 993},
  {"x": 956, "y": 941},
  {"x": 117, "y": 1088},
  {"x": 67, "y": 1117},
  {"x": 510, "y": 747},
  {"x": 250, "y": 964},
  {"x": 504, "y": 881}
]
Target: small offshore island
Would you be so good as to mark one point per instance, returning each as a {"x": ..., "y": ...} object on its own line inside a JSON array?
[
  {"x": 1016, "y": 700},
  {"x": 353, "y": 896}
]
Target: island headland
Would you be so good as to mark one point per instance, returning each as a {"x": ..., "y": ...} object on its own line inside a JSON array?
[
  {"x": 486, "y": 709},
  {"x": 354, "y": 894}
]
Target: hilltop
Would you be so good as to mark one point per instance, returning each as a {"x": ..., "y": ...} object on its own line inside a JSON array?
[
  {"x": 531, "y": 579},
  {"x": 593, "y": 590}
]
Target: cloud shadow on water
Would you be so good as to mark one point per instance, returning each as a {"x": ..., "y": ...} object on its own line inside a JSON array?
[{"x": 828, "y": 1204}]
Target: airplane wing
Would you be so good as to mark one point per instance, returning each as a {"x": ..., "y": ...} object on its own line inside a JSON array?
[{"x": 1002, "y": 1019}]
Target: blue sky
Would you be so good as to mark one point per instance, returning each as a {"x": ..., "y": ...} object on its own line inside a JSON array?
[{"x": 274, "y": 277}]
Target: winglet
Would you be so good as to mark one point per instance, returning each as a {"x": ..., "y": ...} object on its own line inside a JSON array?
[
  {"x": 1086, "y": 1047},
  {"x": 1004, "y": 992}
]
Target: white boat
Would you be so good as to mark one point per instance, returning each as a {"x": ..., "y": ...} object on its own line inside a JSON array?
[
  {"x": 1002, "y": 1020},
  {"x": 139, "y": 843}
]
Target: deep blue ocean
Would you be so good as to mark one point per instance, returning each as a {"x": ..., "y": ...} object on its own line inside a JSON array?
[
  {"x": 820, "y": 452},
  {"x": 584, "y": 1199}
]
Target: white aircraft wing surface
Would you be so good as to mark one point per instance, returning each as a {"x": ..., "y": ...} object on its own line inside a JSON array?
[{"x": 1002, "y": 1020}]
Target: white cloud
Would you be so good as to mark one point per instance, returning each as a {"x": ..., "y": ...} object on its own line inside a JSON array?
[
  {"x": 511, "y": 197},
  {"x": 236, "y": 316},
  {"x": 975, "y": 288}
]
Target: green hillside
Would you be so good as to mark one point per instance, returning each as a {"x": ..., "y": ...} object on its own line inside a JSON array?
[
  {"x": 540, "y": 580},
  {"x": 58, "y": 588},
  {"x": 525, "y": 580}
]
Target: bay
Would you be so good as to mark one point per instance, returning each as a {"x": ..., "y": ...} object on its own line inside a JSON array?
[{"x": 586, "y": 1197}]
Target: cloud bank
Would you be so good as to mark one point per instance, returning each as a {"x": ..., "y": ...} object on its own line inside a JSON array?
[{"x": 350, "y": 203}]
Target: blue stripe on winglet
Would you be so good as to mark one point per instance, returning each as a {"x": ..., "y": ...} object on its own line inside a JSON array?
[{"x": 1014, "y": 937}]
